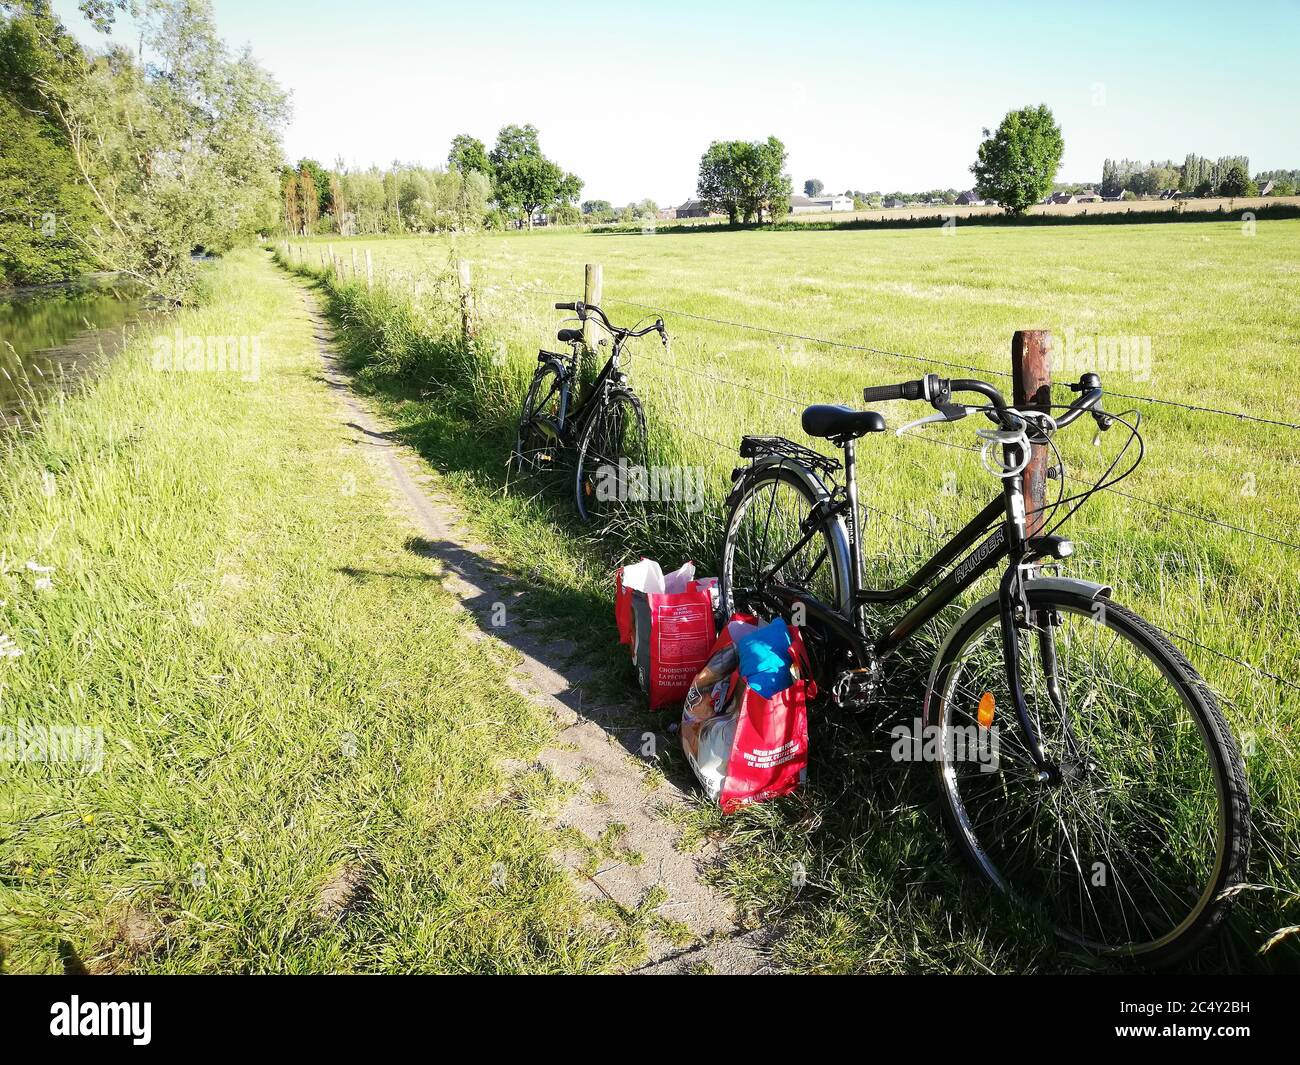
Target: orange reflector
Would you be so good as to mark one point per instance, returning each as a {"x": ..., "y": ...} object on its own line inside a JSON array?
[{"x": 986, "y": 710}]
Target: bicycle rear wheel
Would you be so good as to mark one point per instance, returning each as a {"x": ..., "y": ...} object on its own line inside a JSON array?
[
  {"x": 1129, "y": 852},
  {"x": 536, "y": 438},
  {"x": 765, "y": 524}
]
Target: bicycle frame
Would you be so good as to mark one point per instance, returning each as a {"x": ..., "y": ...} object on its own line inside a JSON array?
[
  {"x": 1008, "y": 541},
  {"x": 581, "y": 410}
]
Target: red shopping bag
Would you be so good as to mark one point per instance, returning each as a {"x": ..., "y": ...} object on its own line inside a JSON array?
[
  {"x": 669, "y": 632},
  {"x": 745, "y": 747}
]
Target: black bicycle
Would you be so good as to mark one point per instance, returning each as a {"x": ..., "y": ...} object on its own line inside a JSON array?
[
  {"x": 607, "y": 421},
  {"x": 1115, "y": 801}
]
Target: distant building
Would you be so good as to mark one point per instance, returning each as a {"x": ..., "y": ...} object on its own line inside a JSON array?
[
  {"x": 814, "y": 204},
  {"x": 970, "y": 198},
  {"x": 1083, "y": 196},
  {"x": 666, "y": 213},
  {"x": 695, "y": 209},
  {"x": 1267, "y": 188},
  {"x": 894, "y": 201}
]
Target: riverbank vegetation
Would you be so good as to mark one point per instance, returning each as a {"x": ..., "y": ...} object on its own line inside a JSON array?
[
  {"x": 513, "y": 184},
  {"x": 131, "y": 162}
]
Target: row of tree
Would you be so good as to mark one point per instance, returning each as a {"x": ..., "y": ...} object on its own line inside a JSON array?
[
  {"x": 1198, "y": 175},
  {"x": 129, "y": 163},
  {"x": 477, "y": 189},
  {"x": 602, "y": 211}
]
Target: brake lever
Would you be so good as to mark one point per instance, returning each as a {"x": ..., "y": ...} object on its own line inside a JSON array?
[{"x": 948, "y": 412}]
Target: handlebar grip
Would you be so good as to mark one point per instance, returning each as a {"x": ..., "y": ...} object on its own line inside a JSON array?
[
  {"x": 906, "y": 390},
  {"x": 566, "y": 306}
]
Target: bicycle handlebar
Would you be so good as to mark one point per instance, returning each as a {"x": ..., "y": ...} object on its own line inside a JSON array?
[
  {"x": 938, "y": 391},
  {"x": 583, "y": 309}
]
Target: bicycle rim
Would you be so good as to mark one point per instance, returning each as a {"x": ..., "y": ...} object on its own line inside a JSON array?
[
  {"x": 1127, "y": 854},
  {"x": 612, "y": 475}
]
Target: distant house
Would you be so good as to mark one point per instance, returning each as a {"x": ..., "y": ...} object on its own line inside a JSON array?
[
  {"x": 970, "y": 198},
  {"x": 695, "y": 209},
  {"x": 894, "y": 201},
  {"x": 1083, "y": 196},
  {"x": 666, "y": 213},
  {"x": 814, "y": 204},
  {"x": 1267, "y": 188}
]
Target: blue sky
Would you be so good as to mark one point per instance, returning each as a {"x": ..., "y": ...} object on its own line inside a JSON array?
[{"x": 869, "y": 96}]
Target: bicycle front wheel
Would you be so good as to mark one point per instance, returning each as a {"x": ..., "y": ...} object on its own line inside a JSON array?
[
  {"x": 1127, "y": 851},
  {"x": 612, "y": 460}
]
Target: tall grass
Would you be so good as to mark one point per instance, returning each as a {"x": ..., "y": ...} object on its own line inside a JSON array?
[
  {"x": 882, "y": 894},
  {"x": 301, "y": 737}
]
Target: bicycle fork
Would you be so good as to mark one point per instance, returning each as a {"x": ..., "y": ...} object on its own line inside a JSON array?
[{"x": 1015, "y": 613}]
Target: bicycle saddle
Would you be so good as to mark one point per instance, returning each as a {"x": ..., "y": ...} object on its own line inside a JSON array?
[
  {"x": 569, "y": 335},
  {"x": 840, "y": 423}
]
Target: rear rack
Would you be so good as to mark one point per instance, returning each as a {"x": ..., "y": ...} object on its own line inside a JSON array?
[{"x": 752, "y": 447}]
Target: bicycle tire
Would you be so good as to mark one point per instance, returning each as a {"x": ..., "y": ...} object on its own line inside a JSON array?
[
  {"x": 615, "y": 431},
  {"x": 531, "y": 452},
  {"x": 806, "y": 487},
  {"x": 996, "y": 863}
]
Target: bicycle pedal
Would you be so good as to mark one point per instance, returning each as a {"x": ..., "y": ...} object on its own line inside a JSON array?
[{"x": 856, "y": 689}]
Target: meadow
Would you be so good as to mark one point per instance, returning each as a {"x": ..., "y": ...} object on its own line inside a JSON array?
[{"x": 1201, "y": 539}]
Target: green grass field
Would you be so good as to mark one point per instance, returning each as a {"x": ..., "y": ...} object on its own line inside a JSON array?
[
  {"x": 300, "y": 741},
  {"x": 1213, "y": 304}
]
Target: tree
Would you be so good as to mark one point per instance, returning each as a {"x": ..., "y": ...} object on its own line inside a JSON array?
[
  {"x": 718, "y": 184},
  {"x": 1235, "y": 180},
  {"x": 467, "y": 153},
  {"x": 178, "y": 150},
  {"x": 812, "y": 187},
  {"x": 308, "y": 199},
  {"x": 46, "y": 212},
  {"x": 1110, "y": 180},
  {"x": 745, "y": 179},
  {"x": 1017, "y": 164},
  {"x": 320, "y": 182},
  {"x": 526, "y": 179}
]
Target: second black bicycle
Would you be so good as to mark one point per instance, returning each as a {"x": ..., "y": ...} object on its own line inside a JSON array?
[{"x": 605, "y": 420}]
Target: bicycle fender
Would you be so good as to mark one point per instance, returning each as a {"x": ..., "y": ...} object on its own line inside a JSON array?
[{"x": 744, "y": 474}]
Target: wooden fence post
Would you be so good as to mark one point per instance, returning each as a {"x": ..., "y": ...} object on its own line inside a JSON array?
[
  {"x": 1031, "y": 370},
  {"x": 592, "y": 293},
  {"x": 370, "y": 271},
  {"x": 466, "y": 300}
]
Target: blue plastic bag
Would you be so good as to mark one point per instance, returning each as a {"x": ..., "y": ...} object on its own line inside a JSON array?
[{"x": 765, "y": 658}]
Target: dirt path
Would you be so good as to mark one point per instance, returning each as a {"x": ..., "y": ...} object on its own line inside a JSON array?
[{"x": 597, "y": 746}]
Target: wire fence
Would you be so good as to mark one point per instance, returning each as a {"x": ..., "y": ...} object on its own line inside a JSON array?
[
  {"x": 939, "y": 534},
  {"x": 934, "y": 530}
]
